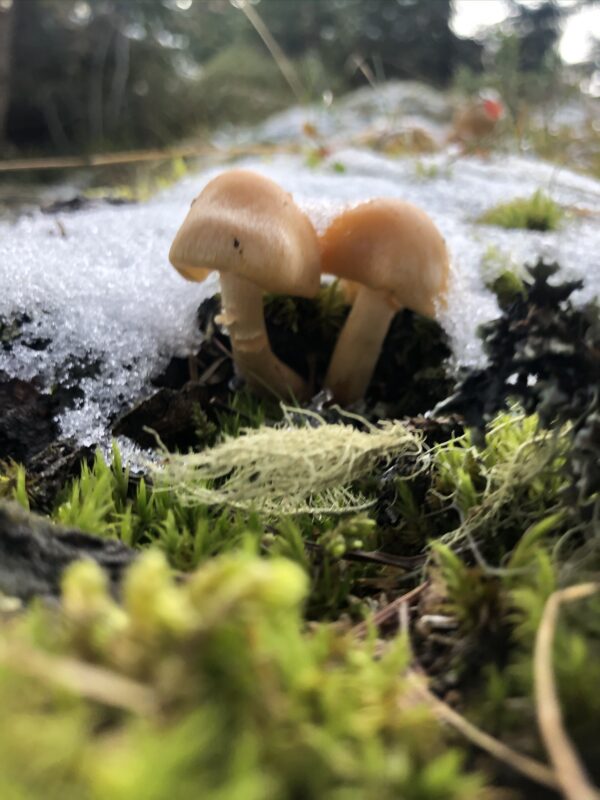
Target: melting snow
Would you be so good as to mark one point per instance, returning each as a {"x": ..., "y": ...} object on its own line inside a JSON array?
[
  {"x": 364, "y": 110},
  {"x": 99, "y": 294}
]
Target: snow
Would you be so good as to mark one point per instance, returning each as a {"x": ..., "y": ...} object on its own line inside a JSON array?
[
  {"x": 97, "y": 284},
  {"x": 395, "y": 102}
]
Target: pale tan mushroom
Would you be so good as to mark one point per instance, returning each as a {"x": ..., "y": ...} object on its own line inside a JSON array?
[
  {"x": 398, "y": 259},
  {"x": 250, "y": 230}
]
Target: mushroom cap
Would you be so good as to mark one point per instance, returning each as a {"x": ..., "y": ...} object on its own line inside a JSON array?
[
  {"x": 246, "y": 224},
  {"x": 390, "y": 246}
]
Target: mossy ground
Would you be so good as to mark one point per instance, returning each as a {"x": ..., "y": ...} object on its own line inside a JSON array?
[{"x": 235, "y": 661}]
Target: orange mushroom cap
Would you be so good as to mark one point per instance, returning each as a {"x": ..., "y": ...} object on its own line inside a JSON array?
[
  {"x": 390, "y": 246},
  {"x": 246, "y": 224}
]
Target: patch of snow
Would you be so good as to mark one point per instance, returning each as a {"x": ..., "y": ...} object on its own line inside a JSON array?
[
  {"x": 101, "y": 298},
  {"x": 409, "y": 102}
]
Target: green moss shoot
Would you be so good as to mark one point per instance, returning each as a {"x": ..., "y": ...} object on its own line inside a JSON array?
[{"x": 536, "y": 213}]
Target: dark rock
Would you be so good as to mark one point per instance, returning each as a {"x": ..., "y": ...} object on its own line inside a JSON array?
[
  {"x": 51, "y": 469},
  {"x": 27, "y": 419},
  {"x": 34, "y": 554}
]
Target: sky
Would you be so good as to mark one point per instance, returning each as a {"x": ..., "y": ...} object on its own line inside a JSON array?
[{"x": 470, "y": 16}]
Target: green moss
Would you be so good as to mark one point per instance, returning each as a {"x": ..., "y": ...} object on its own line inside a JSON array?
[
  {"x": 107, "y": 500},
  {"x": 247, "y": 703},
  {"x": 508, "y": 286},
  {"x": 429, "y": 171},
  {"x": 536, "y": 213},
  {"x": 247, "y": 698},
  {"x": 503, "y": 487},
  {"x": 13, "y": 483},
  {"x": 501, "y": 275}
]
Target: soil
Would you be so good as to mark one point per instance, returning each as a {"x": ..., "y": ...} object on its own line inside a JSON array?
[{"x": 411, "y": 375}]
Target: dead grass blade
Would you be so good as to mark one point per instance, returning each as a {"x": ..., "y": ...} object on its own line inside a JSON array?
[
  {"x": 139, "y": 156},
  {"x": 387, "y": 612},
  {"x": 279, "y": 57},
  {"x": 570, "y": 772},
  {"x": 529, "y": 767}
]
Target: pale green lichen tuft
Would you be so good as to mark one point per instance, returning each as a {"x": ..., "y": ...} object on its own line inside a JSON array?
[{"x": 303, "y": 465}]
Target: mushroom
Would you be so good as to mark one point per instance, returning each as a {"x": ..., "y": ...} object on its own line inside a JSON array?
[
  {"x": 394, "y": 257},
  {"x": 250, "y": 230}
]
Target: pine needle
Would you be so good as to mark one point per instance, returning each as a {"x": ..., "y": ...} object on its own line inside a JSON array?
[{"x": 532, "y": 769}]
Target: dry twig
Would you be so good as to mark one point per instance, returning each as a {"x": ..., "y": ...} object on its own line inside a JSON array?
[
  {"x": 529, "y": 767},
  {"x": 570, "y": 772},
  {"x": 387, "y": 612},
  {"x": 138, "y": 156}
]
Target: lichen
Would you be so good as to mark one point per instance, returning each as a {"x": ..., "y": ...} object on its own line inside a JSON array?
[{"x": 303, "y": 465}]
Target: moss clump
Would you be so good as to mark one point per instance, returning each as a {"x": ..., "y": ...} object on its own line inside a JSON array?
[
  {"x": 505, "y": 486},
  {"x": 536, "y": 213},
  {"x": 231, "y": 680},
  {"x": 225, "y": 650},
  {"x": 507, "y": 287},
  {"x": 229, "y": 696},
  {"x": 107, "y": 500}
]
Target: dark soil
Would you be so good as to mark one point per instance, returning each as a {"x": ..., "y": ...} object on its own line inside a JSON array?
[
  {"x": 27, "y": 419},
  {"x": 410, "y": 378}
]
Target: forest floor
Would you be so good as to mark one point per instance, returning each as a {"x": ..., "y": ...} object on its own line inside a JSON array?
[{"x": 398, "y": 599}]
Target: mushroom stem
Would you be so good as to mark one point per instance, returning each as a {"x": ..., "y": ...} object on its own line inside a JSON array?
[
  {"x": 359, "y": 345},
  {"x": 243, "y": 315}
]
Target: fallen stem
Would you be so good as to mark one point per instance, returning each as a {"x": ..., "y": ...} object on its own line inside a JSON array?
[
  {"x": 284, "y": 65},
  {"x": 134, "y": 157},
  {"x": 527, "y": 766},
  {"x": 384, "y": 614},
  {"x": 570, "y": 772}
]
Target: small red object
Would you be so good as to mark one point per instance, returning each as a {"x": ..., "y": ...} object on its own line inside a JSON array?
[{"x": 494, "y": 109}]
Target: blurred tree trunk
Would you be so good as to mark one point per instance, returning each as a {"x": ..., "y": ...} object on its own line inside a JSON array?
[{"x": 6, "y": 29}]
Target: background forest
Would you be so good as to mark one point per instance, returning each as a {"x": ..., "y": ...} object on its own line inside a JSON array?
[{"x": 83, "y": 75}]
